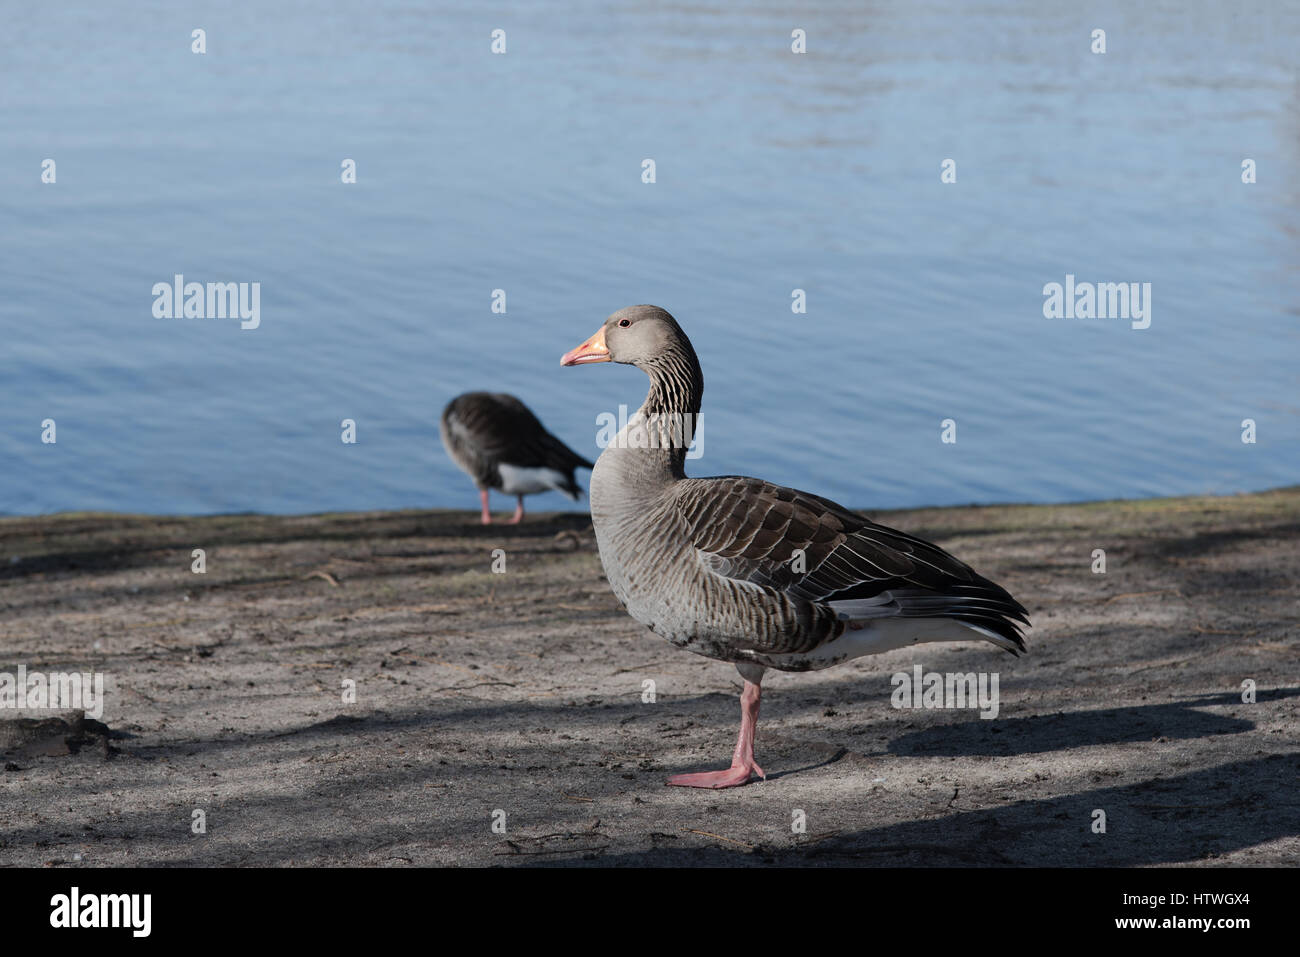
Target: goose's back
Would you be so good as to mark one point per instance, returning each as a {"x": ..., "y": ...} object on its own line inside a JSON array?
[{"x": 484, "y": 431}]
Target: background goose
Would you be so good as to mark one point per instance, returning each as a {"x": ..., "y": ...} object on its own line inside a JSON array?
[
  {"x": 745, "y": 571},
  {"x": 498, "y": 441}
]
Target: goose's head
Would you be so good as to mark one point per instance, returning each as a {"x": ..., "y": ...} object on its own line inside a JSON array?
[{"x": 638, "y": 335}]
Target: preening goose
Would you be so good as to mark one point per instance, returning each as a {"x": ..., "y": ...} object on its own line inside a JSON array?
[
  {"x": 498, "y": 441},
  {"x": 744, "y": 571}
]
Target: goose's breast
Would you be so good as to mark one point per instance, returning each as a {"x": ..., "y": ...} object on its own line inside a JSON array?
[
  {"x": 653, "y": 569},
  {"x": 648, "y": 569}
]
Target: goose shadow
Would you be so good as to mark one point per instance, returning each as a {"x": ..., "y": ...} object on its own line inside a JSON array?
[
  {"x": 1199, "y": 815},
  {"x": 839, "y": 755},
  {"x": 1036, "y": 734}
]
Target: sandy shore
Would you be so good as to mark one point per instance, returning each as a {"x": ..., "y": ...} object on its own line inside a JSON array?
[{"x": 522, "y": 692}]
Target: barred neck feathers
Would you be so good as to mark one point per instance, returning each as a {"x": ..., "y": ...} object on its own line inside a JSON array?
[{"x": 662, "y": 428}]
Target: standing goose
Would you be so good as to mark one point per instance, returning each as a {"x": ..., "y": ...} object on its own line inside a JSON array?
[
  {"x": 500, "y": 444},
  {"x": 744, "y": 571}
]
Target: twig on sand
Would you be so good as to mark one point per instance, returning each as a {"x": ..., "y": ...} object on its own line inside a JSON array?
[
  {"x": 156, "y": 624},
  {"x": 515, "y": 848},
  {"x": 520, "y": 852},
  {"x": 568, "y": 535},
  {"x": 1216, "y": 631},
  {"x": 693, "y": 830},
  {"x": 1143, "y": 594},
  {"x": 480, "y": 684},
  {"x": 1170, "y": 662},
  {"x": 623, "y": 671}
]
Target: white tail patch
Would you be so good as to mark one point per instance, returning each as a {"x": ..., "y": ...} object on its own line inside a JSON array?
[
  {"x": 877, "y": 637},
  {"x": 522, "y": 480}
]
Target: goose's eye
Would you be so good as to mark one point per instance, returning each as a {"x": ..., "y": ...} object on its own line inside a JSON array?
[{"x": 625, "y": 322}]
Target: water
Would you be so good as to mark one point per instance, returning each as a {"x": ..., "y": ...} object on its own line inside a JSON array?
[{"x": 522, "y": 172}]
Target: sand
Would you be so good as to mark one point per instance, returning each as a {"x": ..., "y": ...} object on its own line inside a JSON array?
[{"x": 520, "y": 697}]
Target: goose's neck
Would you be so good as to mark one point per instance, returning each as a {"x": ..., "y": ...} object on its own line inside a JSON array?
[
  {"x": 676, "y": 383},
  {"x": 655, "y": 440}
]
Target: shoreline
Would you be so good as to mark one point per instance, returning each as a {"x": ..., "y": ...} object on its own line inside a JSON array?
[{"x": 414, "y": 509}]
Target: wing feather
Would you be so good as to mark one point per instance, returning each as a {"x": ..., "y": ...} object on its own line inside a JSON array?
[{"x": 810, "y": 549}]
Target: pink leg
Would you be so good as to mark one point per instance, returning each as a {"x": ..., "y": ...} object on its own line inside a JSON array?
[
  {"x": 742, "y": 761},
  {"x": 487, "y": 516},
  {"x": 519, "y": 512}
]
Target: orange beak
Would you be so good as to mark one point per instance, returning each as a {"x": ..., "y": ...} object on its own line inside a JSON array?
[{"x": 593, "y": 350}]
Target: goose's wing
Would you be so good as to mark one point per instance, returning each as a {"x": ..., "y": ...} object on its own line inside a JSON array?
[{"x": 812, "y": 549}]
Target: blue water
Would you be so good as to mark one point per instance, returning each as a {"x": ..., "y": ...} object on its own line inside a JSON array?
[{"x": 522, "y": 172}]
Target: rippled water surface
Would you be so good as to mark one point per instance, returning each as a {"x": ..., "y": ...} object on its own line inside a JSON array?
[{"x": 522, "y": 172}]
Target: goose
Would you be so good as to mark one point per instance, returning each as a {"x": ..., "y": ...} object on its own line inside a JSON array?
[
  {"x": 500, "y": 444},
  {"x": 744, "y": 571}
]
